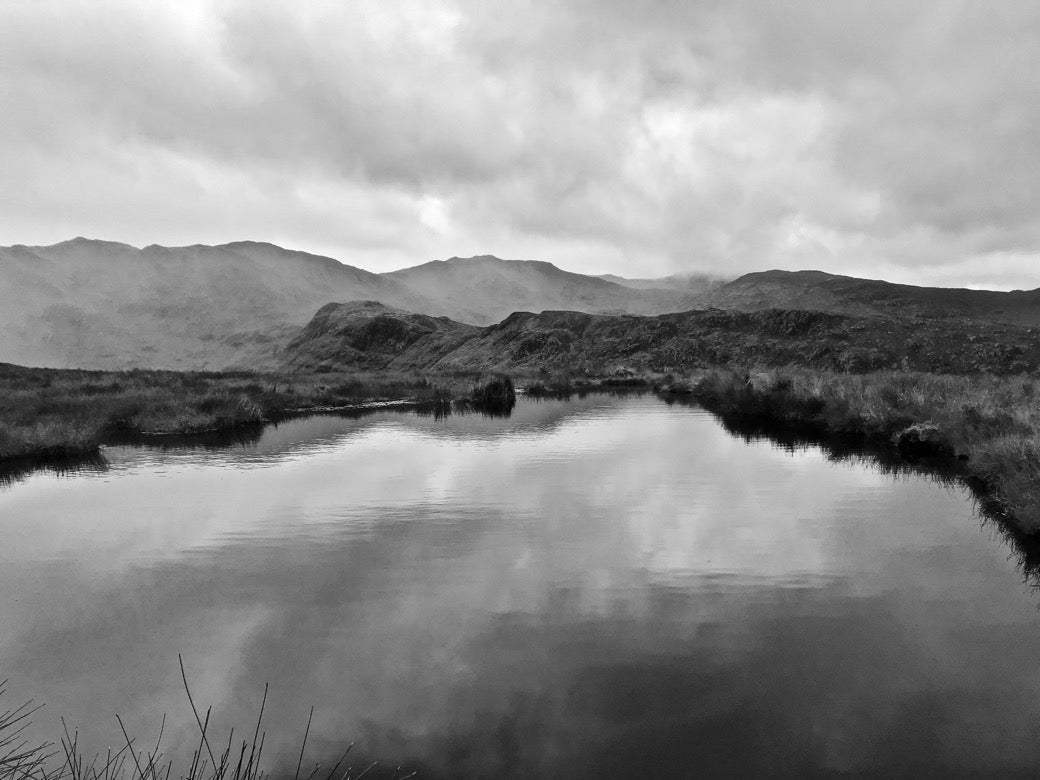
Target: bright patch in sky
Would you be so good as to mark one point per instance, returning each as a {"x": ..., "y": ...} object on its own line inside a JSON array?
[{"x": 886, "y": 139}]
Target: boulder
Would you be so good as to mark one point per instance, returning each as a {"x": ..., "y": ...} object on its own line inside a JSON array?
[{"x": 922, "y": 440}]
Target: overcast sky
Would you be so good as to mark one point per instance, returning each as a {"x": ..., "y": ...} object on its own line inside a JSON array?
[{"x": 892, "y": 140}]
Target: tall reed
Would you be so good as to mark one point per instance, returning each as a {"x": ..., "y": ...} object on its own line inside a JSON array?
[{"x": 23, "y": 759}]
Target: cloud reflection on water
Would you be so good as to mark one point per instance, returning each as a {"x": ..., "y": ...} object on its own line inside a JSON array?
[{"x": 606, "y": 585}]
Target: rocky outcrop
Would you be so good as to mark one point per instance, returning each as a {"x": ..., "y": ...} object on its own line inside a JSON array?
[{"x": 369, "y": 335}]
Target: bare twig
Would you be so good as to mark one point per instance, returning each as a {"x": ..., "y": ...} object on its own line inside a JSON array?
[
  {"x": 198, "y": 720},
  {"x": 304, "y": 745}
]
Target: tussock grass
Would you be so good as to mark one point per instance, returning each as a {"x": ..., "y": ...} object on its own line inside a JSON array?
[
  {"x": 496, "y": 396},
  {"x": 991, "y": 424},
  {"x": 47, "y": 413}
]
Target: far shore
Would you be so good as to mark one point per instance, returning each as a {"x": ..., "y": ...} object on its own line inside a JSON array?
[{"x": 986, "y": 428}]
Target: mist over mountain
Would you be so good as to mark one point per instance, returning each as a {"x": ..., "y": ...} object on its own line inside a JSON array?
[
  {"x": 689, "y": 283},
  {"x": 483, "y": 290},
  {"x": 99, "y": 304}
]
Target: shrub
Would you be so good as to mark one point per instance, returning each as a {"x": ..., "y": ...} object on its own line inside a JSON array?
[{"x": 496, "y": 397}]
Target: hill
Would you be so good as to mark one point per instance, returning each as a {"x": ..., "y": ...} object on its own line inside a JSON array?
[
  {"x": 368, "y": 336},
  {"x": 99, "y": 304},
  {"x": 482, "y": 290},
  {"x": 819, "y": 291}
]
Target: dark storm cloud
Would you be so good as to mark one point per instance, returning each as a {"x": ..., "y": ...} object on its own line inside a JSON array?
[{"x": 881, "y": 139}]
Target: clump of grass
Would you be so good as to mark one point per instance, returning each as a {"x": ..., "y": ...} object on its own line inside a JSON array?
[
  {"x": 1010, "y": 466},
  {"x": 18, "y": 756},
  {"x": 48, "y": 438},
  {"x": 497, "y": 396}
]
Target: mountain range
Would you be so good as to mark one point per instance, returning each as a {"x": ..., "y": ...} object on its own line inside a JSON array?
[{"x": 97, "y": 304}]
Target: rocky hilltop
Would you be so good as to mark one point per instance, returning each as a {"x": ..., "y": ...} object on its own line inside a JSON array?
[{"x": 371, "y": 336}]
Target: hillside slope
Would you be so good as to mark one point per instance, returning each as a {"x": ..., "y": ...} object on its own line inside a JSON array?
[
  {"x": 819, "y": 291},
  {"x": 368, "y": 335},
  {"x": 365, "y": 335},
  {"x": 98, "y": 304},
  {"x": 484, "y": 289}
]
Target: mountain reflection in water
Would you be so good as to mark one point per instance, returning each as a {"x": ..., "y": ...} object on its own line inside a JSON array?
[{"x": 608, "y": 587}]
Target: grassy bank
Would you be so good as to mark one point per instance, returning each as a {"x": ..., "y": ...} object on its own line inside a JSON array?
[
  {"x": 52, "y": 414},
  {"x": 989, "y": 425}
]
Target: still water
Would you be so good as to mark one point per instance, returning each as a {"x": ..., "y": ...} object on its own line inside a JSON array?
[{"x": 605, "y": 587}]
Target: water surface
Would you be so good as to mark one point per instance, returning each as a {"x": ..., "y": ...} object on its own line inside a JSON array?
[{"x": 607, "y": 587}]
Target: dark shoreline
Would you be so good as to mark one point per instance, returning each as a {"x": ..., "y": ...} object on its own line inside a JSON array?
[{"x": 942, "y": 434}]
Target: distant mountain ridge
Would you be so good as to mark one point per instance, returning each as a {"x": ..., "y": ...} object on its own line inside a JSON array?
[
  {"x": 484, "y": 289},
  {"x": 100, "y": 304},
  {"x": 821, "y": 291},
  {"x": 697, "y": 283}
]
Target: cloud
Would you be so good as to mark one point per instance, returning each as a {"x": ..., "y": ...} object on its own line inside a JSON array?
[{"x": 633, "y": 138}]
